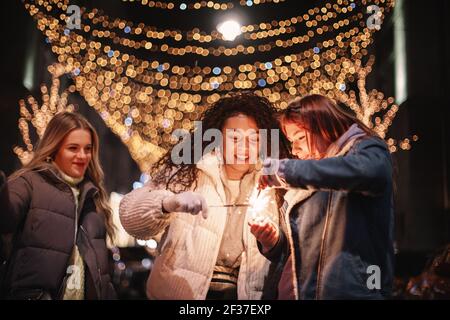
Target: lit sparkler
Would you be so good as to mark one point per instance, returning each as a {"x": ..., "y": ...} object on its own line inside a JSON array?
[
  {"x": 256, "y": 204},
  {"x": 259, "y": 201}
]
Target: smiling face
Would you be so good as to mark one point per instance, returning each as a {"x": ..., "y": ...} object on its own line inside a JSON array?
[
  {"x": 240, "y": 145},
  {"x": 75, "y": 153}
]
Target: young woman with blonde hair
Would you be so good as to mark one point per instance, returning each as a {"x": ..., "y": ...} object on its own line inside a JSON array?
[{"x": 58, "y": 215}]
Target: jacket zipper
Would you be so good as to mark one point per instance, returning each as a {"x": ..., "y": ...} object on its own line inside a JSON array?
[
  {"x": 81, "y": 200},
  {"x": 77, "y": 214},
  {"x": 292, "y": 254},
  {"x": 322, "y": 249},
  {"x": 96, "y": 261},
  {"x": 63, "y": 283},
  {"x": 76, "y": 225},
  {"x": 77, "y": 209}
]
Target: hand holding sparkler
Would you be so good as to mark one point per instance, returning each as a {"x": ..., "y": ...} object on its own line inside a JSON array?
[
  {"x": 273, "y": 174},
  {"x": 265, "y": 231},
  {"x": 189, "y": 201}
]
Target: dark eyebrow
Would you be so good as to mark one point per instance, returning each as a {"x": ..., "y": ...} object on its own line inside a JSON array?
[{"x": 77, "y": 145}]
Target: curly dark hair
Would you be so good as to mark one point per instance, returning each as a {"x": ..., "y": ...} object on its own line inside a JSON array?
[{"x": 181, "y": 177}]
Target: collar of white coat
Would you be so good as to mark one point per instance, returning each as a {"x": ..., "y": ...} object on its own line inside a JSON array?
[{"x": 212, "y": 166}]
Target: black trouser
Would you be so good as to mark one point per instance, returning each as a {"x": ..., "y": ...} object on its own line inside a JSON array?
[
  {"x": 228, "y": 294},
  {"x": 223, "y": 285}
]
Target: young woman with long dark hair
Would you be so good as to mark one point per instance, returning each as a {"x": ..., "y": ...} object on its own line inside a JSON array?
[
  {"x": 211, "y": 255},
  {"x": 338, "y": 240}
]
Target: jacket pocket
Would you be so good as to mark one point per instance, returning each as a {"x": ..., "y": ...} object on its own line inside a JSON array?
[
  {"x": 359, "y": 269},
  {"x": 346, "y": 278}
]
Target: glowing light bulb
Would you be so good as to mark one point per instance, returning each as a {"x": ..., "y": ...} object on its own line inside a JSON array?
[{"x": 229, "y": 29}]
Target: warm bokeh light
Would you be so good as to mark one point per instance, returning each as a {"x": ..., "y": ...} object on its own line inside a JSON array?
[
  {"x": 144, "y": 101},
  {"x": 229, "y": 29}
]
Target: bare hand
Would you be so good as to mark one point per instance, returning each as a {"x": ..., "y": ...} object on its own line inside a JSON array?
[{"x": 265, "y": 231}]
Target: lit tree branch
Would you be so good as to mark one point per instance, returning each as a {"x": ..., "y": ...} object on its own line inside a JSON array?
[
  {"x": 33, "y": 115},
  {"x": 372, "y": 108}
]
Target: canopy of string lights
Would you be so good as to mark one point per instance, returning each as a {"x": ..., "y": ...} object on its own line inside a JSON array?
[{"x": 146, "y": 80}]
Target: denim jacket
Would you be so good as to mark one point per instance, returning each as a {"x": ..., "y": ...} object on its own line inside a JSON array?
[{"x": 340, "y": 236}]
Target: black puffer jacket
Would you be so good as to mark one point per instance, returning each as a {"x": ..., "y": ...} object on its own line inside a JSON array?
[{"x": 42, "y": 217}]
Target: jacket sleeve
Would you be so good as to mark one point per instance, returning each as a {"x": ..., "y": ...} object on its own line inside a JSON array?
[
  {"x": 141, "y": 212},
  {"x": 15, "y": 198},
  {"x": 279, "y": 251},
  {"x": 366, "y": 169}
]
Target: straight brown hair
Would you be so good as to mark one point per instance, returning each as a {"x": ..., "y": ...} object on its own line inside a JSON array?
[{"x": 322, "y": 118}]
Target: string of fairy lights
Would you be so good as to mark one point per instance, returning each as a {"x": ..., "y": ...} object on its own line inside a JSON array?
[
  {"x": 126, "y": 28},
  {"x": 251, "y": 32},
  {"x": 144, "y": 100},
  {"x": 290, "y": 65},
  {"x": 200, "y": 4},
  {"x": 180, "y": 70}
]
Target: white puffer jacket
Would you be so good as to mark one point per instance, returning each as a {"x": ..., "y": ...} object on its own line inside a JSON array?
[{"x": 190, "y": 244}]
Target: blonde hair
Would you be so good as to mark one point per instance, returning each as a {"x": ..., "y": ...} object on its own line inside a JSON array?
[{"x": 57, "y": 129}]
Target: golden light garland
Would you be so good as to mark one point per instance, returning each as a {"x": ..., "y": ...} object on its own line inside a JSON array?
[
  {"x": 278, "y": 68},
  {"x": 184, "y": 6},
  {"x": 292, "y": 70},
  {"x": 127, "y": 109},
  {"x": 207, "y": 67},
  {"x": 135, "y": 67},
  {"x": 310, "y": 20},
  {"x": 222, "y": 50},
  {"x": 200, "y": 4},
  {"x": 196, "y": 34},
  {"x": 148, "y": 99}
]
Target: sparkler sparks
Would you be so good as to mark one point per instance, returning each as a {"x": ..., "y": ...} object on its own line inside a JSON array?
[{"x": 259, "y": 201}]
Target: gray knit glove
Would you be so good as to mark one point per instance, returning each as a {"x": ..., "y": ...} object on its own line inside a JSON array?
[{"x": 190, "y": 202}]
